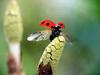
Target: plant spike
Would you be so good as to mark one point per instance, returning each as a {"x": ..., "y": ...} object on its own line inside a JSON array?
[
  {"x": 51, "y": 56},
  {"x": 13, "y": 29}
]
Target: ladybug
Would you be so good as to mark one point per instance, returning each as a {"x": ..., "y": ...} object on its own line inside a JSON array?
[{"x": 54, "y": 30}]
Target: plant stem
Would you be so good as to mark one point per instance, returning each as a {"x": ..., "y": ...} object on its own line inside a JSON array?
[
  {"x": 13, "y": 28},
  {"x": 51, "y": 56},
  {"x": 14, "y": 60}
]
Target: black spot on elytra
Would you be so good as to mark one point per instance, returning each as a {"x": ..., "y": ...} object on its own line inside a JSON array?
[
  {"x": 47, "y": 24},
  {"x": 61, "y": 24},
  {"x": 52, "y": 26},
  {"x": 43, "y": 22}
]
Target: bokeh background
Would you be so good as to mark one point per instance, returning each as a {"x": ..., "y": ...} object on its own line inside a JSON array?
[{"x": 82, "y": 22}]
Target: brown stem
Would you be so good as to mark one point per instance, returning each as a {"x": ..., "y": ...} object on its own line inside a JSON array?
[
  {"x": 44, "y": 69},
  {"x": 14, "y": 61},
  {"x": 13, "y": 67}
]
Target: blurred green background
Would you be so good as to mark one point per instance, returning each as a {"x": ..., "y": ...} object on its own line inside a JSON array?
[{"x": 82, "y": 21}]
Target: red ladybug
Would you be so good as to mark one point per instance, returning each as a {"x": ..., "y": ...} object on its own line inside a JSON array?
[{"x": 54, "y": 30}]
